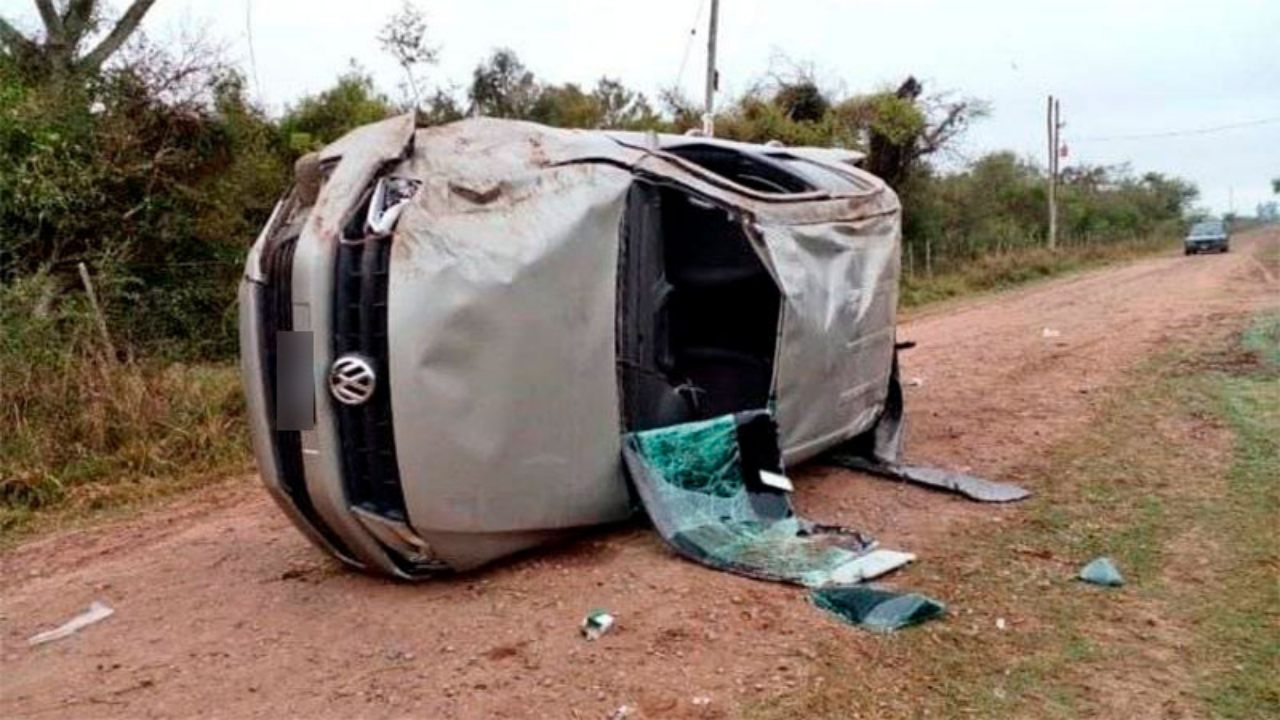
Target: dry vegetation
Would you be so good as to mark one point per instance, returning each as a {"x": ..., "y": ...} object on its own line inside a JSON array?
[{"x": 85, "y": 432}]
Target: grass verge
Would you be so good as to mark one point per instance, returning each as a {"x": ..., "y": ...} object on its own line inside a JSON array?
[
  {"x": 1003, "y": 270},
  {"x": 1177, "y": 482},
  {"x": 82, "y": 432}
]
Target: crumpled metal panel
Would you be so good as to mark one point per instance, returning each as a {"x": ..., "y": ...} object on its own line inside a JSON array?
[
  {"x": 468, "y": 259},
  {"x": 972, "y": 487},
  {"x": 488, "y": 149},
  {"x": 358, "y": 155},
  {"x": 501, "y": 314},
  {"x": 835, "y": 352}
]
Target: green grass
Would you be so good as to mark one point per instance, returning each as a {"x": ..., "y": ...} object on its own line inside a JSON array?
[
  {"x": 1178, "y": 482},
  {"x": 1241, "y": 624}
]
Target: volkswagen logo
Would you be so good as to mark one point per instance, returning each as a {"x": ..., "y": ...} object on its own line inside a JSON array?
[{"x": 352, "y": 380}]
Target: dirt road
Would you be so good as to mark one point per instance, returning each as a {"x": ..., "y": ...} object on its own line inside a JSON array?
[{"x": 222, "y": 608}]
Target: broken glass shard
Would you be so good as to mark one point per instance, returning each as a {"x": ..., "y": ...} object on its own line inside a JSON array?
[
  {"x": 703, "y": 487},
  {"x": 1102, "y": 571},
  {"x": 876, "y": 609}
]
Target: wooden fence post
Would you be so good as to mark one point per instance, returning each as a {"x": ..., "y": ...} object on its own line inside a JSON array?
[{"x": 97, "y": 312}]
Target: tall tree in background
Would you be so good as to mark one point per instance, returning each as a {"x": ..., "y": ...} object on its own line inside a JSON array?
[
  {"x": 503, "y": 87},
  {"x": 404, "y": 37},
  {"x": 904, "y": 127},
  {"x": 60, "y": 52},
  {"x": 802, "y": 100},
  {"x": 621, "y": 107}
]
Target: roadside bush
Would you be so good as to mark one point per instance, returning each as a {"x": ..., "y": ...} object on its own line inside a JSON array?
[
  {"x": 83, "y": 429},
  {"x": 997, "y": 204},
  {"x": 161, "y": 173},
  {"x": 317, "y": 120}
]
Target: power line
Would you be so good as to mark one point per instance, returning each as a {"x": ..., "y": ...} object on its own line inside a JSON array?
[
  {"x": 689, "y": 44},
  {"x": 253, "y": 58},
  {"x": 1181, "y": 133}
]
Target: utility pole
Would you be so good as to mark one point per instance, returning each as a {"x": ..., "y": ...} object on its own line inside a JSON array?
[
  {"x": 1054, "y": 123},
  {"x": 713, "y": 75}
]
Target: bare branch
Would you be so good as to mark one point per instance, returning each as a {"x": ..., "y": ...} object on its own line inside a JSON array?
[
  {"x": 52, "y": 23},
  {"x": 118, "y": 35},
  {"x": 13, "y": 40},
  {"x": 946, "y": 129}
]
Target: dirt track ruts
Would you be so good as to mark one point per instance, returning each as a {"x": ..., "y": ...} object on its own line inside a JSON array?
[{"x": 222, "y": 608}]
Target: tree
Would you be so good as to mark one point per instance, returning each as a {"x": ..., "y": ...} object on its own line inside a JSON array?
[
  {"x": 684, "y": 112},
  {"x": 566, "y": 106},
  {"x": 621, "y": 107},
  {"x": 802, "y": 100},
  {"x": 1275, "y": 186},
  {"x": 503, "y": 87},
  {"x": 610, "y": 105},
  {"x": 404, "y": 37},
  {"x": 317, "y": 120},
  {"x": 439, "y": 109},
  {"x": 903, "y": 127},
  {"x": 1172, "y": 196},
  {"x": 59, "y": 53}
]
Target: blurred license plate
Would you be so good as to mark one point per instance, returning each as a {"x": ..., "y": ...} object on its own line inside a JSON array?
[{"x": 295, "y": 391}]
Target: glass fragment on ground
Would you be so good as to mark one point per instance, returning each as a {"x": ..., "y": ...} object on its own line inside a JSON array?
[{"x": 875, "y": 609}]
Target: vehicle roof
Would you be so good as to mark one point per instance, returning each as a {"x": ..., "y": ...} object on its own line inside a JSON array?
[
  {"x": 487, "y": 154},
  {"x": 667, "y": 141},
  {"x": 1208, "y": 226}
]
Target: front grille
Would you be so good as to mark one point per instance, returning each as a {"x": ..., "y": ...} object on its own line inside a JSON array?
[
  {"x": 370, "y": 474},
  {"x": 276, "y": 306}
]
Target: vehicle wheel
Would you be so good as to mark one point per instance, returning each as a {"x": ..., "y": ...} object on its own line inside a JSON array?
[{"x": 1187, "y": 251}]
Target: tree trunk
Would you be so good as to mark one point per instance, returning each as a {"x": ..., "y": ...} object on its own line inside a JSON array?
[{"x": 57, "y": 56}]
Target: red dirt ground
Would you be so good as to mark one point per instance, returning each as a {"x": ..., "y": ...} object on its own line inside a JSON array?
[{"x": 222, "y": 608}]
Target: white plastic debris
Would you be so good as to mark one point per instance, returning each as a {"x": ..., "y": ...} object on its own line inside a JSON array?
[
  {"x": 623, "y": 711},
  {"x": 1050, "y": 333},
  {"x": 776, "y": 480},
  {"x": 597, "y": 623},
  {"x": 1001, "y": 624},
  {"x": 915, "y": 382},
  {"x": 97, "y": 612},
  {"x": 869, "y": 566},
  {"x": 701, "y": 701}
]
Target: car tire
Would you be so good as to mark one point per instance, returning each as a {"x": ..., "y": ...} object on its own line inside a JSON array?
[{"x": 1188, "y": 251}]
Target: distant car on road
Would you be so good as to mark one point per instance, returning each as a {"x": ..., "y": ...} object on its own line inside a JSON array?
[{"x": 1207, "y": 235}]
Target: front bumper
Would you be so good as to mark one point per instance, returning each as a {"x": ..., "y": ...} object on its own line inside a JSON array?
[
  {"x": 1213, "y": 245},
  {"x": 301, "y": 468}
]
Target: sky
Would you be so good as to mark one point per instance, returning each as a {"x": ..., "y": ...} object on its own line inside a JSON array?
[{"x": 1121, "y": 68}]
